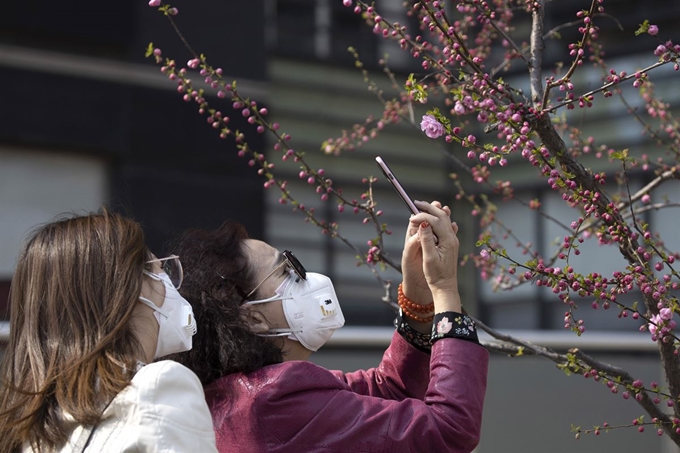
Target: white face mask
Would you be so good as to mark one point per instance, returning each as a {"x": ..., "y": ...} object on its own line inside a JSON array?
[
  {"x": 310, "y": 307},
  {"x": 175, "y": 319}
]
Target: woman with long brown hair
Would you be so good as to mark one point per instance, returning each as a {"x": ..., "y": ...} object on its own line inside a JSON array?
[{"x": 90, "y": 307}]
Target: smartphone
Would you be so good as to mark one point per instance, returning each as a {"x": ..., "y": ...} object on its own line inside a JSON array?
[{"x": 395, "y": 183}]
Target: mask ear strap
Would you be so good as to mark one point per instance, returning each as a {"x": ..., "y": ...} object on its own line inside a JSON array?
[
  {"x": 279, "y": 332},
  {"x": 153, "y": 306},
  {"x": 152, "y": 275},
  {"x": 264, "y": 301},
  {"x": 278, "y": 295}
]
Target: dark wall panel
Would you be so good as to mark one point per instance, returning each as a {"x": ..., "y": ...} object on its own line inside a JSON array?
[
  {"x": 230, "y": 33},
  {"x": 82, "y": 26},
  {"x": 175, "y": 172},
  {"x": 168, "y": 202},
  {"x": 59, "y": 111},
  {"x": 168, "y": 168}
]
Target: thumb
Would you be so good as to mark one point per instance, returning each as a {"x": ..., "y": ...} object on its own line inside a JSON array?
[{"x": 411, "y": 245}]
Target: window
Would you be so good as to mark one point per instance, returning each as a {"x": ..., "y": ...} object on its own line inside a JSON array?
[
  {"x": 324, "y": 30},
  {"x": 37, "y": 186}
]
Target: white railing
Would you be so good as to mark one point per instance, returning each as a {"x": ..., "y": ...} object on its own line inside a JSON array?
[
  {"x": 361, "y": 337},
  {"x": 610, "y": 341}
]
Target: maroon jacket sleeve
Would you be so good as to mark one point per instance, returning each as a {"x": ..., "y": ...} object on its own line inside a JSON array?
[
  {"x": 310, "y": 410},
  {"x": 404, "y": 372}
]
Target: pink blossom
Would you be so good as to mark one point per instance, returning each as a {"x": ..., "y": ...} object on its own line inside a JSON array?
[
  {"x": 653, "y": 30},
  {"x": 154, "y": 3},
  {"x": 431, "y": 127},
  {"x": 347, "y": 3},
  {"x": 653, "y": 324},
  {"x": 666, "y": 314}
]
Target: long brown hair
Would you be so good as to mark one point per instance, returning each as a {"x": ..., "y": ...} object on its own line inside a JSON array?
[{"x": 71, "y": 347}]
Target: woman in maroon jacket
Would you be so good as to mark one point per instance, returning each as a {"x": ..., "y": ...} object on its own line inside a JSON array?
[{"x": 260, "y": 316}]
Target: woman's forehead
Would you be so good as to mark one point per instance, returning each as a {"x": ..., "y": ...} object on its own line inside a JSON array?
[{"x": 262, "y": 254}]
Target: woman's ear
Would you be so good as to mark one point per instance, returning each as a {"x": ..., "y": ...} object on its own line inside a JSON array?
[{"x": 255, "y": 320}]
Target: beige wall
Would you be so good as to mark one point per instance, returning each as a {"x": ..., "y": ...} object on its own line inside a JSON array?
[{"x": 36, "y": 186}]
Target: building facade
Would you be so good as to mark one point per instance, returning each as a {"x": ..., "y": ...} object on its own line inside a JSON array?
[{"x": 86, "y": 120}]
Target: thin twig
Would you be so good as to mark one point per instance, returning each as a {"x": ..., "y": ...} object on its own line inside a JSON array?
[
  {"x": 607, "y": 86},
  {"x": 575, "y": 63}
]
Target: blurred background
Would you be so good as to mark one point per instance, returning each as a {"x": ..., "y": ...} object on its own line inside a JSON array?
[{"x": 86, "y": 121}]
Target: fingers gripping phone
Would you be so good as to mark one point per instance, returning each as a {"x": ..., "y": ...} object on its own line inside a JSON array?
[{"x": 395, "y": 183}]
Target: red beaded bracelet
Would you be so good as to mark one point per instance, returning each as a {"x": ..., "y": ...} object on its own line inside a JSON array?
[
  {"x": 412, "y": 305},
  {"x": 412, "y": 310},
  {"x": 415, "y": 317}
]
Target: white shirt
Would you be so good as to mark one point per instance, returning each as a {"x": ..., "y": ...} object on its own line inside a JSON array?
[{"x": 163, "y": 410}]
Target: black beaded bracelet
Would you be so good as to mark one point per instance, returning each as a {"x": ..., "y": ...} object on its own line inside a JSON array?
[
  {"x": 451, "y": 324},
  {"x": 420, "y": 341}
]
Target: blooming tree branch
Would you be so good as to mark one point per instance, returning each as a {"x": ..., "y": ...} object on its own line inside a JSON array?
[{"x": 494, "y": 125}]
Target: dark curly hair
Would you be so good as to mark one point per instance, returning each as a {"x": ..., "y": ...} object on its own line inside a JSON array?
[{"x": 217, "y": 274}]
